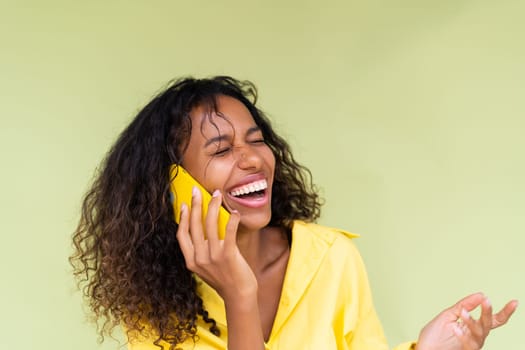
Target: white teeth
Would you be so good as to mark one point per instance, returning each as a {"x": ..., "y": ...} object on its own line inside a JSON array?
[{"x": 249, "y": 188}]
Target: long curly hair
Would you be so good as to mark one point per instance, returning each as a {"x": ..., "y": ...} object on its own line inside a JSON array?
[{"x": 127, "y": 260}]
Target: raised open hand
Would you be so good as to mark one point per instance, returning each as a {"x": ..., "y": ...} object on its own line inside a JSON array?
[{"x": 455, "y": 329}]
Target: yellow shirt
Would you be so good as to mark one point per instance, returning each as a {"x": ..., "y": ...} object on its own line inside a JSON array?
[{"x": 325, "y": 302}]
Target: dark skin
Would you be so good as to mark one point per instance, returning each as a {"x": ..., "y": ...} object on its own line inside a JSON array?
[
  {"x": 270, "y": 278},
  {"x": 247, "y": 268}
]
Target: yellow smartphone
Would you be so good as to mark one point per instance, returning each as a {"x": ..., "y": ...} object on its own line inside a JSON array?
[{"x": 181, "y": 188}]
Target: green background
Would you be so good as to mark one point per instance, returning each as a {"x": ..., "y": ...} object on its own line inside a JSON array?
[{"x": 410, "y": 114}]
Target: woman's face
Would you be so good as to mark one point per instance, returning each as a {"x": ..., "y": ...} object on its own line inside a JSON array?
[{"x": 231, "y": 156}]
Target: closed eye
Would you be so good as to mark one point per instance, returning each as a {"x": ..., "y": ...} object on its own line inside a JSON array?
[{"x": 222, "y": 151}]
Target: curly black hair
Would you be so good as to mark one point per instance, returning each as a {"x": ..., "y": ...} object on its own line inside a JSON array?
[{"x": 127, "y": 260}]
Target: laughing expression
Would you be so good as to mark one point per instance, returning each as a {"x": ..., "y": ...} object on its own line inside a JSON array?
[{"x": 227, "y": 151}]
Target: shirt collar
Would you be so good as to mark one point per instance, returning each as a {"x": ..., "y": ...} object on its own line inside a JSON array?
[{"x": 310, "y": 243}]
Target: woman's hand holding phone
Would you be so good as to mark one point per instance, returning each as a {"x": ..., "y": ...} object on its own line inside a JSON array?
[{"x": 220, "y": 264}]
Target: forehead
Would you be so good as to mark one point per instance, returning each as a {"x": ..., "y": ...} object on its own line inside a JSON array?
[{"x": 231, "y": 117}]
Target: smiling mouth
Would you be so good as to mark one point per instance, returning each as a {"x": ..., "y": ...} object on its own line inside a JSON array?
[{"x": 253, "y": 189}]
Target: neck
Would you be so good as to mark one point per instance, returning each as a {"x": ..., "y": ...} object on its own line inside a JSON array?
[{"x": 261, "y": 248}]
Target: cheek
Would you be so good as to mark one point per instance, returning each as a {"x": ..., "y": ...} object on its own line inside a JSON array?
[
  {"x": 215, "y": 174},
  {"x": 270, "y": 159}
]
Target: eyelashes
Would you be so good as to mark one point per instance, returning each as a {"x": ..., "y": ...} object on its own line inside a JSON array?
[
  {"x": 225, "y": 150},
  {"x": 221, "y": 152}
]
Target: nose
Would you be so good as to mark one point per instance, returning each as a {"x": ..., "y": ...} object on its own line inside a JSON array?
[{"x": 247, "y": 158}]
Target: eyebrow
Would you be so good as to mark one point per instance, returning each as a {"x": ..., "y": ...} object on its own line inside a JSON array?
[{"x": 218, "y": 139}]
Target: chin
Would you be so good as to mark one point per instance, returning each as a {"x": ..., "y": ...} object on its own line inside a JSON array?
[{"x": 254, "y": 222}]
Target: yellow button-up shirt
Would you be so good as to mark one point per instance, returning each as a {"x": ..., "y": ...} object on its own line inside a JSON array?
[{"x": 325, "y": 302}]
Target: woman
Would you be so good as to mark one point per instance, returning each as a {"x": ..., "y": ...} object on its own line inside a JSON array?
[{"x": 277, "y": 280}]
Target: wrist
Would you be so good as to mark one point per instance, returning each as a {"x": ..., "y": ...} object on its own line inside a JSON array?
[
  {"x": 239, "y": 295},
  {"x": 245, "y": 303}
]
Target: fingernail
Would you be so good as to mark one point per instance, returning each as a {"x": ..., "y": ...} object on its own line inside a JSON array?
[
  {"x": 194, "y": 191},
  {"x": 465, "y": 314},
  {"x": 216, "y": 193},
  {"x": 183, "y": 207},
  {"x": 487, "y": 301}
]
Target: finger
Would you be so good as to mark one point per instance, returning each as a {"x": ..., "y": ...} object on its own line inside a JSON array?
[
  {"x": 183, "y": 237},
  {"x": 478, "y": 330},
  {"x": 230, "y": 240},
  {"x": 196, "y": 229},
  {"x": 201, "y": 252},
  {"x": 468, "y": 322},
  {"x": 462, "y": 333},
  {"x": 212, "y": 220},
  {"x": 486, "y": 315},
  {"x": 468, "y": 303},
  {"x": 504, "y": 314}
]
